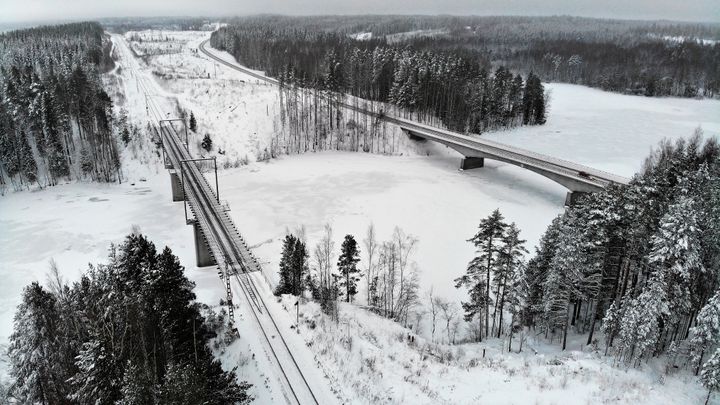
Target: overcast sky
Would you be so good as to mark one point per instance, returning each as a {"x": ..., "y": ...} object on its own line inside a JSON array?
[{"x": 38, "y": 10}]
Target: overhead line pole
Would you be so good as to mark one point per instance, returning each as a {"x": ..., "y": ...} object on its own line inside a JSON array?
[
  {"x": 214, "y": 159},
  {"x": 187, "y": 143}
]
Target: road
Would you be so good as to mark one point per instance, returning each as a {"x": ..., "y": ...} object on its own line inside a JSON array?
[
  {"x": 575, "y": 176},
  {"x": 233, "y": 257}
]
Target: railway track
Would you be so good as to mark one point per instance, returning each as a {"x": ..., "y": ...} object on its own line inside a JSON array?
[
  {"x": 520, "y": 157},
  {"x": 229, "y": 250}
]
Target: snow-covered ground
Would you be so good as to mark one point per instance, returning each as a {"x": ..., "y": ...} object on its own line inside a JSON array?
[
  {"x": 238, "y": 111},
  {"x": 426, "y": 197},
  {"x": 422, "y": 192},
  {"x": 373, "y": 358},
  {"x": 610, "y": 131}
]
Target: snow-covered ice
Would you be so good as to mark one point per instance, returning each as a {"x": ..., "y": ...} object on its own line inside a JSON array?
[
  {"x": 426, "y": 197},
  {"x": 610, "y": 131}
]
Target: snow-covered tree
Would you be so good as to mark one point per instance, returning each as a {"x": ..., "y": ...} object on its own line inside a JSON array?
[
  {"x": 34, "y": 351},
  {"x": 706, "y": 332},
  {"x": 710, "y": 374},
  {"x": 640, "y": 325},
  {"x": 347, "y": 267},
  {"x": 193, "y": 122},
  {"x": 487, "y": 244}
]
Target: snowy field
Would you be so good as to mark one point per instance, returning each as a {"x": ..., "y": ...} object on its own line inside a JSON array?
[{"x": 610, "y": 131}]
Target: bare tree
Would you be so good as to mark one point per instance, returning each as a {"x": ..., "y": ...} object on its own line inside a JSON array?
[
  {"x": 433, "y": 311},
  {"x": 449, "y": 311},
  {"x": 455, "y": 327},
  {"x": 371, "y": 247},
  {"x": 324, "y": 251}
]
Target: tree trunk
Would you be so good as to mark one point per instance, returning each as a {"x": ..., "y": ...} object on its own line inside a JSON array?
[{"x": 565, "y": 327}]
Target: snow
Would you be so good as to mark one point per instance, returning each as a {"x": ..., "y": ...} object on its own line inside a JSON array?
[
  {"x": 681, "y": 39},
  {"x": 372, "y": 358},
  {"x": 610, "y": 131},
  {"x": 228, "y": 106},
  {"x": 420, "y": 191},
  {"x": 362, "y": 36},
  {"x": 402, "y": 36},
  {"x": 428, "y": 198}
]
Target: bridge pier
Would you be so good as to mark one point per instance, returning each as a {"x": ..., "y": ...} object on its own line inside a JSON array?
[
  {"x": 572, "y": 197},
  {"x": 202, "y": 253},
  {"x": 177, "y": 190},
  {"x": 413, "y": 137},
  {"x": 468, "y": 163}
]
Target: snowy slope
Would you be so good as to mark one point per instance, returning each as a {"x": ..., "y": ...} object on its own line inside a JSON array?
[{"x": 373, "y": 358}]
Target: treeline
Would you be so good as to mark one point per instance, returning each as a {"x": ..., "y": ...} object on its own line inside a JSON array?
[
  {"x": 128, "y": 332},
  {"x": 55, "y": 118},
  {"x": 391, "y": 277},
  {"x": 124, "y": 24},
  {"x": 650, "y": 67},
  {"x": 634, "y": 57},
  {"x": 652, "y": 58},
  {"x": 463, "y": 93}
]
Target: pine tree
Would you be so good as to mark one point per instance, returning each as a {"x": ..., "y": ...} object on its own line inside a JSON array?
[
  {"x": 510, "y": 255},
  {"x": 347, "y": 267},
  {"x": 486, "y": 241}
]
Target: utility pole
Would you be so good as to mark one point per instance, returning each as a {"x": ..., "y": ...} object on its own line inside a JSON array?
[{"x": 297, "y": 316}]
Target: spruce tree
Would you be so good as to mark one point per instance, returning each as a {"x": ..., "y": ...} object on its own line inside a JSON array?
[
  {"x": 298, "y": 267},
  {"x": 26, "y": 158},
  {"x": 207, "y": 143},
  {"x": 57, "y": 163},
  {"x": 285, "y": 284},
  {"x": 710, "y": 375},
  {"x": 193, "y": 122},
  {"x": 706, "y": 332},
  {"x": 347, "y": 267},
  {"x": 34, "y": 352}
]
